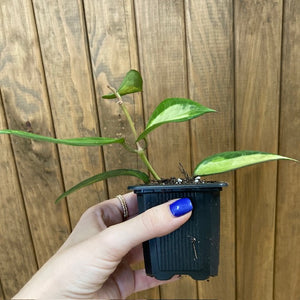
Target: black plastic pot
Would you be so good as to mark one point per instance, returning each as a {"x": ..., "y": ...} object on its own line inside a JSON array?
[{"x": 193, "y": 249}]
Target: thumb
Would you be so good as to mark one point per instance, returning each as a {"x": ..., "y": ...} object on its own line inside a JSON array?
[{"x": 155, "y": 222}]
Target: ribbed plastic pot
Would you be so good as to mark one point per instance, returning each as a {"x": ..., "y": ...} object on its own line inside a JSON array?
[{"x": 193, "y": 249}]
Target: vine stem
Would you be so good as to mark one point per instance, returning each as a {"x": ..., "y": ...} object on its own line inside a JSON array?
[{"x": 140, "y": 151}]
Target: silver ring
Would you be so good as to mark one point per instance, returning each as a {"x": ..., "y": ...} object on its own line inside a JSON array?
[{"x": 124, "y": 206}]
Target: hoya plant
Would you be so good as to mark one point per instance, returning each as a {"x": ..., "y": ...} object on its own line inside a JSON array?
[{"x": 169, "y": 110}]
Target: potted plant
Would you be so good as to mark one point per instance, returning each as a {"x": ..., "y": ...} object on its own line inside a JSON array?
[{"x": 193, "y": 249}]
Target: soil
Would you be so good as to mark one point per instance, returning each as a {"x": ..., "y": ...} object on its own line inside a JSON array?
[
  {"x": 178, "y": 181},
  {"x": 187, "y": 179}
]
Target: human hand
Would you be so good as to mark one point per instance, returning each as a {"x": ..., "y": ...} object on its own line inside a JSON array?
[{"x": 95, "y": 260}]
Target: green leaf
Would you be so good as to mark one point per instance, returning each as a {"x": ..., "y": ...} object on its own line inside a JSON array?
[
  {"x": 103, "y": 176},
  {"x": 174, "y": 110},
  {"x": 85, "y": 141},
  {"x": 132, "y": 83},
  {"x": 228, "y": 161}
]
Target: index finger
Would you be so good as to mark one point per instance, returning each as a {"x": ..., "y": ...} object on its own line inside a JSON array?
[{"x": 100, "y": 216}]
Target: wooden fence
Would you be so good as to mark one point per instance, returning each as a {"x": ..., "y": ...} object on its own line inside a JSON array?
[{"x": 241, "y": 58}]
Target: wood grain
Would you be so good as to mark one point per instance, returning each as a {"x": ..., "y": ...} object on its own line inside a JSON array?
[
  {"x": 17, "y": 258},
  {"x": 211, "y": 71},
  {"x": 162, "y": 52},
  {"x": 113, "y": 53},
  {"x": 70, "y": 88},
  {"x": 161, "y": 37},
  {"x": 287, "y": 261},
  {"x": 1, "y": 292},
  {"x": 113, "y": 48},
  {"x": 26, "y": 105},
  {"x": 257, "y": 73},
  {"x": 56, "y": 59}
]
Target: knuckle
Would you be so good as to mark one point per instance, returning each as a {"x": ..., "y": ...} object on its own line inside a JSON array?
[
  {"x": 90, "y": 211},
  {"x": 86, "y": 214},
  {"x": 95, "y": 211}
]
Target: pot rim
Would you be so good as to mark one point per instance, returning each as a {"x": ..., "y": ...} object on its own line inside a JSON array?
[{"x": 176, "y": 187}]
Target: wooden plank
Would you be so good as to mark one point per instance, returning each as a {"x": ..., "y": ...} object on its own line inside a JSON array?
[
  {"x": 111, "y": 34},
  {"x": 287, "y": 260},
  {"x": 258, "y": 50},
  {"x": 113, "y": 47},
  {"x": 1, "y": 291},
  {"x": 17, "y": 260},
  {"x": 161, "y": 37},
  {"x": 210, "y": 66},
  {"x": 162, "y": 52},
  {"x": 26, "y": 105},
  {"x": 62, "y": 38}
]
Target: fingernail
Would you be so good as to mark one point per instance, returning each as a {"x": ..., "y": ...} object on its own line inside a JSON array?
[{"x": 181, "y": 207}]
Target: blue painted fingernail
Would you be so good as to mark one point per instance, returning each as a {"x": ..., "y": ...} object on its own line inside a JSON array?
[{"x": 181, "y": 207}]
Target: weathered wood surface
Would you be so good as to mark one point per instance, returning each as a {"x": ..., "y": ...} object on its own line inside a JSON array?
[
  {"x": 113, "y": 51},
  {"x": 71, "y": 94},
  {"x": 162, "y": 52},
  {"x": 26, "y": 106},
  {"x": 1, "y": 292},
  {"x": 257, "y": 73},
  {"x": 16, "y": 266},
  {"x": 287, "y": 259},
  {"x": 211, "y": 83},
  {"x": 116, "y": 31},
  {"x": 238, "y": 57}
]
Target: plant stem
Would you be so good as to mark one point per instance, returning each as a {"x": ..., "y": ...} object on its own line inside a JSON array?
[
  {"x": 147, "y": 163},
  {"x": 140, "y": 150}
]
